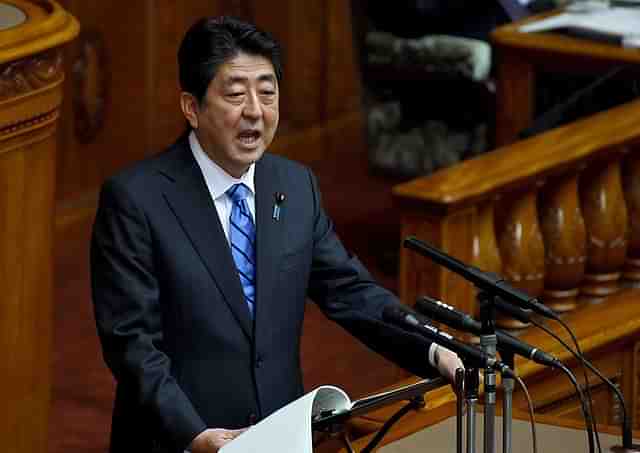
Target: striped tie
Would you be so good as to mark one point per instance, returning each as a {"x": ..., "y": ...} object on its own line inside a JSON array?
[{"x": 242, "y": 235}]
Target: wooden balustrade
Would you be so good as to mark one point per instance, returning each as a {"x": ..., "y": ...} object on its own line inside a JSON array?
[
  {"x": 559, "y": 216},
  {"x": 556, "y": 214}
]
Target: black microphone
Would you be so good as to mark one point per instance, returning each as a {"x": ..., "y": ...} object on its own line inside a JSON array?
[
  {"x": 405, "y": 317},
  {"x": 448, "y": 315},
  {"x": 486, "y": 281},
  {"x": 279, "y": 200},
  {"x": 521, "y": 314}
]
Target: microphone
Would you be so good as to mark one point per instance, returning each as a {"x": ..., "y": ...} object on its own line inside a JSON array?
[
  {"x": 448, "y": 315},
  {"x": 521, "y": 314},
  {"x": 405, "y": 317},
  {"x": 279, "y": 199},
  {"x": 486, "y": 281}
]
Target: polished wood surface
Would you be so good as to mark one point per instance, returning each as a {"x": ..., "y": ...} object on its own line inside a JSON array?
[
  {"x": 520, "y": 54},
  {"x": 564, "y": 234},
  {"x": 30, "y": 96},
  {"x": 442, "y": 208},
  {"x": 605, "y": 215},
  {"x": 521, "y": 246}
]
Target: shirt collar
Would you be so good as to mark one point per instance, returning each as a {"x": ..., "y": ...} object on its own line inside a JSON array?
[{"x": 218, "y": 181}]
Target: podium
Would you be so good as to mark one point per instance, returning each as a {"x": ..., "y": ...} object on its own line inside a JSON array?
[{"x": 31, "y": 76}]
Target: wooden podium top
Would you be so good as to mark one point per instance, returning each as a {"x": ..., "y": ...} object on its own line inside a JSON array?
[
  {"x": 33, "y": 26},
  {"x": 549, "y": 44}
]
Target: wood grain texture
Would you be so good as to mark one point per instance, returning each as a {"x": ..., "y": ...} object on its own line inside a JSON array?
[
  {"x": 605, "y": 214},
  {"x": 562, "y": 226},
  {"x": 30, "y": 98},
  {"x": 48, "y": 26}
]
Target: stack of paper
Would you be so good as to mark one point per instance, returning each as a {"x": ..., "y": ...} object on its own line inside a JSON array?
[{"x": 615, "y": 22}]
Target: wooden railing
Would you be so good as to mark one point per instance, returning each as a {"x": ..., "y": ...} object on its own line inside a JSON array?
[{"x": 558, "y": 215}]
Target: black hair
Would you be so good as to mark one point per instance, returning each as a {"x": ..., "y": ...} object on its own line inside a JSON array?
[{"x": 211, "y": 42}]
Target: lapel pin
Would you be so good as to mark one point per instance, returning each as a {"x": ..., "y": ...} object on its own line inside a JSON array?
[{"x": 280, "y": 197}]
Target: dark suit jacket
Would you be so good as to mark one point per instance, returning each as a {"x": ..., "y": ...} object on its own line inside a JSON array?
[{"x": 170, "y": 312}]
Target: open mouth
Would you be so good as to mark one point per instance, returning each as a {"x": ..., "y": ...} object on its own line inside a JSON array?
[{"x": 249, "y": 137}]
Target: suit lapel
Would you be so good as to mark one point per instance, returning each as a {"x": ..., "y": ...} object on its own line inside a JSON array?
[
  {"x": 191, "y": 203},
  {"x": 268, "y": 240}
]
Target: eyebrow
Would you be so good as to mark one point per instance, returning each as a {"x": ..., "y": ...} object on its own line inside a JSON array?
[{"x": 241, "y": 79}]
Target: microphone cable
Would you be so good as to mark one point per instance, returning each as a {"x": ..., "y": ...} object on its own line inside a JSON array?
[
  {"x": 532, "y": 417},
  {"x": 580, "y": 357},
  {"x": 585, "y": 411}
]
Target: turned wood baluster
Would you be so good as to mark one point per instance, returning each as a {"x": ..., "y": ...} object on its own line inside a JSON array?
[
  {"x": 564, "y": 236},
  {"x": 631, "y": 181},
  {"x": 521, "y": 247},
  {"x": 485, "y": 254},
  {"x": 605, "y": 216}
]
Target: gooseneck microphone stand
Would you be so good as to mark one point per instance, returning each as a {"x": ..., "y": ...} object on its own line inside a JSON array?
[
  {"x": 508, "y": 383},
  {"x": 459, "y": 389},
  {"x": 471, "y": 384},
  {"x": 488, "y": 310},
  {"x": 488, "y": 344}
]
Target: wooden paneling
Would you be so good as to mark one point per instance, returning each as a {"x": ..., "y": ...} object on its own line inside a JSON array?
[
  {"x": 30, "y": 96},
  {"x": 320, "y": 102},
  {"x": 343, "y": 91},
  {"x": 82, "y": 165}
]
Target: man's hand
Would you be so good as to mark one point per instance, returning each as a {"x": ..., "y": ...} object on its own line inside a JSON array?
[
  {"x": 212, "y": 440},
  {"x": 448, "y": 361}
]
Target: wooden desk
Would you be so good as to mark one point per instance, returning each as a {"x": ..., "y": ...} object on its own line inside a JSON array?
[{"x": 520, "y": 54}]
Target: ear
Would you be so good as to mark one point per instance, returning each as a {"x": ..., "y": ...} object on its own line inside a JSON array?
[{"x": 189, "y": 106}]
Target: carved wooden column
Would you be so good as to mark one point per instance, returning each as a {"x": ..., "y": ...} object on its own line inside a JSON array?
[
  {"x": 31, "y": 76},
  {"x": 631, "y": 181},
  {"x": 605, "y": 215},
  {"x": 564, "y": 235},
  {"x": 521, "y": 247},
  {"x": 485, "y": 252}
]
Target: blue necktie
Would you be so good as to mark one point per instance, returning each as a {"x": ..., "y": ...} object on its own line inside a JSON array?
[{"x": 242, "y": 236}]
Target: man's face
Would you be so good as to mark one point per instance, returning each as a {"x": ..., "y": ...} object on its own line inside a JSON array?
[{"x": 239, "y": 114}]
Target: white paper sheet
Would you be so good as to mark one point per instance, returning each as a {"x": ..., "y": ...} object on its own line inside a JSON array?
[
  {"x": 614, "y": 21},
  {"x": 288, "y": 430}
]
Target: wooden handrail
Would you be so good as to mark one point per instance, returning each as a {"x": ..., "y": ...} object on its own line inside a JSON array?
[{"x": 523, "y": 162}]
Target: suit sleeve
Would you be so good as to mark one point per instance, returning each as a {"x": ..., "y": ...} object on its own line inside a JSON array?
[
  {"x": 346, "y": 293},
  {"x": 128, "y": 314}
]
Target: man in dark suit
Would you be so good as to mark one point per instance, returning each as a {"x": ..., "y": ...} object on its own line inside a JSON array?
[{"x": 203, "y": 255}]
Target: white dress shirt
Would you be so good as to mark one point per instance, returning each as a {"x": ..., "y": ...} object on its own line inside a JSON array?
[{"x": 219, "y": 181}]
